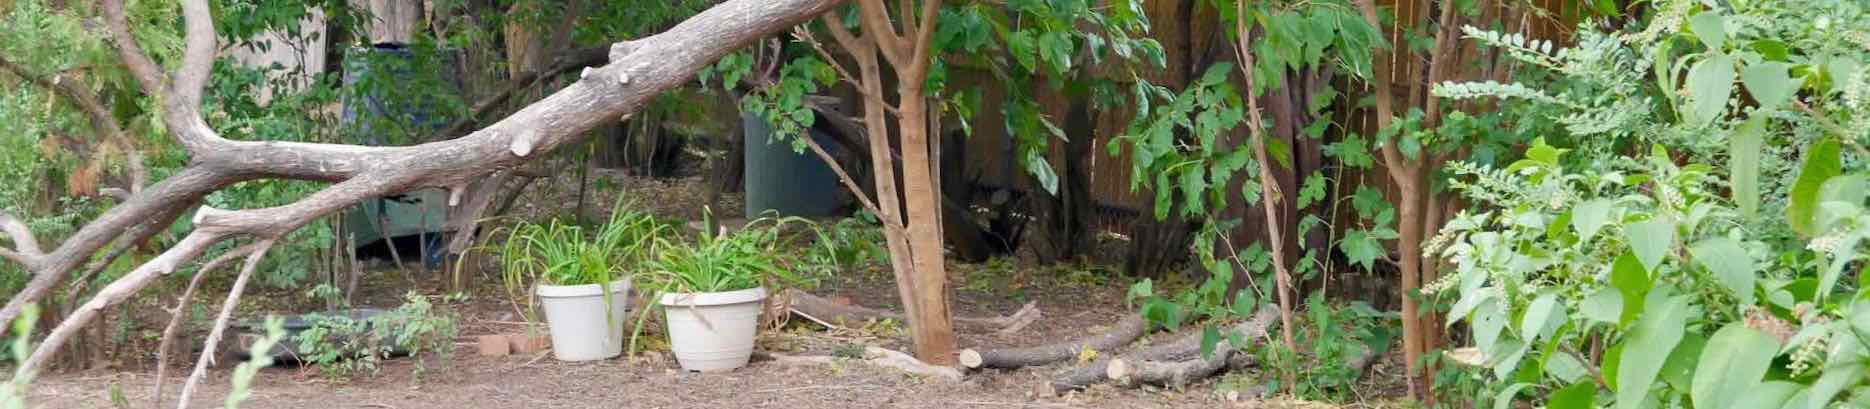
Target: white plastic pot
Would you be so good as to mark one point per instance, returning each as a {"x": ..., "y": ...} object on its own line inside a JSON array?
[
  {"x": 713, "y": 331},
  {"x": 583, "y": 326}
]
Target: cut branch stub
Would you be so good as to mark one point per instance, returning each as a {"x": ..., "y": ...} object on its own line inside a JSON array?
[{"x": 522, "y": 143}]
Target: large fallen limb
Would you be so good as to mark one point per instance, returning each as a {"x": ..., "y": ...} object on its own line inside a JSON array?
[
  {"x": 883, "y": 357},
  {"x": 220, "y": 323},
  {"x": 1125, "y": 331},
  {"x": 830, "y": 313},
  {"x": 638, "y": 71},
  {"x": 176, "y": 314},
  {"x": 1176, "y": 373},
  {"x": 1097, "y": 371}
]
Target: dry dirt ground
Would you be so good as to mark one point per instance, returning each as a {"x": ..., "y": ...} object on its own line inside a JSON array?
[
  {"x": 1073, "y": 304},
  {"x": 652, "y": 380}
]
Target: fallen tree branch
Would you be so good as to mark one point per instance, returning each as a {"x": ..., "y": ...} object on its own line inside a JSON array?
[
  {"x": 1176, "y": 373},
  {"x": 883, "y": 357},
  {"x": 25, "y": 247},
  {"x": 829, "y": 313},
  {"x": 220, "y": 323},
  {"x": 1125, "y": 331},
  {"x": 175, "y": 316},
  {"x": 638, "y": 71},
  {"x": 1097, "y": 371}
]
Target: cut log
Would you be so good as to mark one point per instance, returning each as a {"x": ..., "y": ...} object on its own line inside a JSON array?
[
  {"x": 1176, "y": 373},
  {"x": 1173, "y": 374},
  {"x": 883, "y": 357},
  {"x": 1126, "y": 331},
  {"x": 1186, "y": 346},
  {"x": 830, "y": 313}
]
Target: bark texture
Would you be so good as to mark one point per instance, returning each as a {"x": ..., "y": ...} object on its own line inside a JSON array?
[
  {"x": 1098, "y": 370},
  {"x": 1124, "y": 332},
  {"x": 1176, "y": 373}
]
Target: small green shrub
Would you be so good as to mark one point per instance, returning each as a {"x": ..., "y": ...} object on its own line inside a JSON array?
[
  {"x": 564, "y": 254},
  {"x": 717, "y": 261},
  {"x": 1334, "y": 337},
  {"x": 850, "y": 245},
  {"x": 721, "y": 261},
  {"x": 344, "y": 346}
]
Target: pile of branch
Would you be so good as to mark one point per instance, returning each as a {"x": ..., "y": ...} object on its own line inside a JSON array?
[
  {"x": 883, "y": 357},
  {"x": 1164, "y": 363},
  {"x": 833, "y": 314},
  {"x": 1124, "y": 332}
]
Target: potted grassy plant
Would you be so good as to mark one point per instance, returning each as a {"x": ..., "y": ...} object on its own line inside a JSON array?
[
  {"x": 712, "y": 292},
  {"x": 580, "y": 278}
]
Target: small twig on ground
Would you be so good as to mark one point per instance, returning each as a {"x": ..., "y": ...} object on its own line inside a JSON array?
[
  {"x": 1017, "y": 404},
  {"x": 802, "y": 388},
  {"x": 536, "y": 358}
]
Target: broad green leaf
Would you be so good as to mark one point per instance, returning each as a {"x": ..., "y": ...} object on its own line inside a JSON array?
[
  {"x": 1210, "y": 337},
  {"x": 1590, "y": 216},
  {"x": 1822, "y": 162},
  {"x": 1489, "y": 320},
  {"x": 1506, "y": 356},
  {"x": 1840, "y": 197},
  {"x": 1313, "y": 191},
  {"x": 1768, "y": 395},
  {"x": 1362, "y": 248},
  {"x": 1743, "y": 164},
  {"x": 1632, "y": 281},
  {"x": 1834, "y": 380},
  {"x": 1040, "y": 170},
  {"x": 1859, "y": 317},
  {"x": 1025, "y": 48},
  {"x": 1650, "y": 240},
  {"x": 1469, "y": 300},
  {"x": 1769, "y": 83},
  {"x": 1710, "y": 82},
  {"x": 1577, "y": 396},
  {"x": 1711, "y": 27},
  {"x": 1679, "y": 369},
  {"x": 1604, "y": 306},
  {"x": 1505, "y": 399},
  {"x": 1772, "y": 50},
  {"x": 1730, "y": 264},
  {"x": 1538, "y": 318},
  {"x": 1731, "y": 365},
  {"x": 1565, "y": 367},
  {"x": 1647, "y": 347}
]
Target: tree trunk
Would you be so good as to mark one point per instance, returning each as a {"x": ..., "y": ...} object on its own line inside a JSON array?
[
  {"x": 1063, "y": 216},
  {"x": 933, "y": 333}
]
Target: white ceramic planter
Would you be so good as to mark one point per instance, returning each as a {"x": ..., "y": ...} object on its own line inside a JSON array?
[
  {"x": 583, "y": 326},
  {"x": 713, "y": 331}
]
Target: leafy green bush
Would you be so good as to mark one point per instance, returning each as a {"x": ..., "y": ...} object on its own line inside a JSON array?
[
  {"x": 344, "y": 346},
  {"x": 1339, "y": 341},
  {"x": 1589, "y": 276},
  {"x": 844, "y": 247}
]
